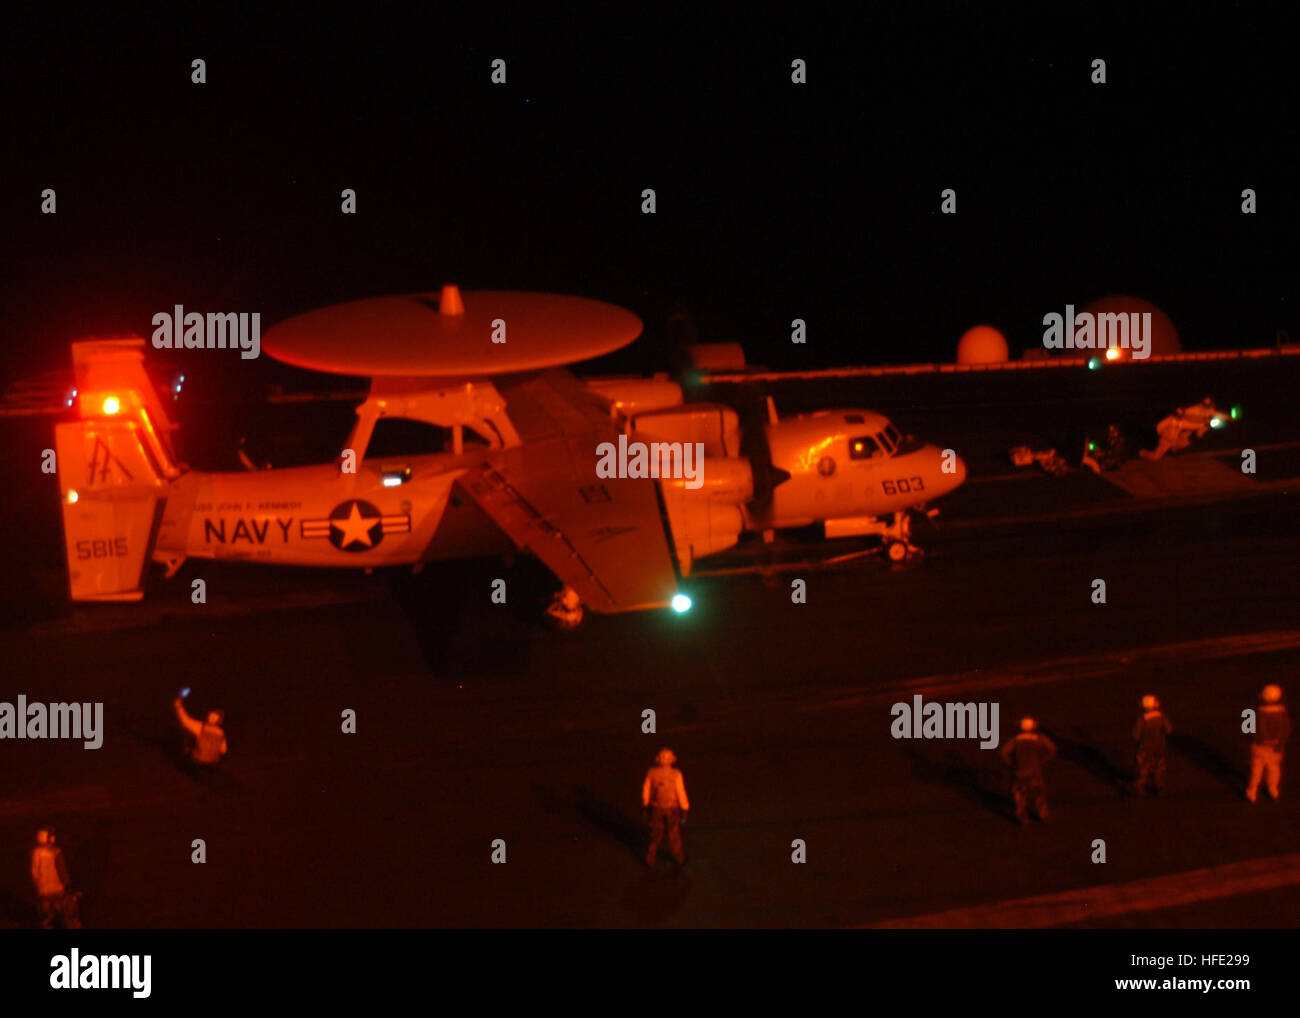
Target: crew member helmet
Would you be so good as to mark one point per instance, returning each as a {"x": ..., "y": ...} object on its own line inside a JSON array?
[
  {"x": 666, "y": 757},
  {"x": 1271, "y": 693},
  {"x": 1149, "y": 702},
  {"x": 1028, "y": 724}
]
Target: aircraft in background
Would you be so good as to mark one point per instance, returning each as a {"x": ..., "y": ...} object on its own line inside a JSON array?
[{"x": 467, "y": 447}]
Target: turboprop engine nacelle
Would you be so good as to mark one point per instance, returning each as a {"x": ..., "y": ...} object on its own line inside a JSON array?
[{"x": 706, "y": 514}]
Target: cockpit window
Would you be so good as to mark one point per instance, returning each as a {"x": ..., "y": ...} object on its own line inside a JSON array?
[
  {"x": 399, "y": 436},
  {"x": 892, "y": 434},
  {"x": 885, "y": 444},
  {"x": 863, "y": 448},
  {"x": 471, "y": 440},
  {"x": 402, "y": 436}
]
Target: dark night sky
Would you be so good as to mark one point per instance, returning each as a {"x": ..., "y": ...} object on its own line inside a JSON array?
[{"x": 775, "y": 201}]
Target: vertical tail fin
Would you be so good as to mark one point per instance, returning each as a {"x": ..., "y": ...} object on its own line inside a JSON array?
[{"x": 114, "y": 467}]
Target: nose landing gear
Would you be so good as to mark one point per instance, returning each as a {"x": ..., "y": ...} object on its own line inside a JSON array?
[
  {"x": 898, "y": 551},
  {"x": 893, "y": 529},
  {"x": 898, "y": 538}
]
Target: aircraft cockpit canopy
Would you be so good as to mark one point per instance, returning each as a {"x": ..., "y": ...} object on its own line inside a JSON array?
[
  {"x": 884, "y": 443},
  {"x": 403, "y": 436}
]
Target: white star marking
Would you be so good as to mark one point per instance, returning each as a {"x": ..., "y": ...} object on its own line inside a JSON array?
[{"x": 355, "y": 528}]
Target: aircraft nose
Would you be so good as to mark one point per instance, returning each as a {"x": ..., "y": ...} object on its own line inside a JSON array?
[{"x": 952, "y": 469}]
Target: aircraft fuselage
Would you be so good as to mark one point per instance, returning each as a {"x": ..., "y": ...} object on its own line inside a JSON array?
[{"x": 321, "y": 516}]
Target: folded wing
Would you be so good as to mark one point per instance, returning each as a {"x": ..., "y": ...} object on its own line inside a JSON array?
[{"x": 604, "y": 537}]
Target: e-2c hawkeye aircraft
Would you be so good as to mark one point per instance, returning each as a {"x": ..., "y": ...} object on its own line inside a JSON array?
[{"x": 518, "y": 445}]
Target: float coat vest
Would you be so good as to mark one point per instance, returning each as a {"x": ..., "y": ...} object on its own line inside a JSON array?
[
  {"x": 210, "y": 745},
  {"x": 664, "y": 789},
  {"x": 48, "y": 872},
  {"x": 1150, "y": 731},
  {"x": 1274, "y": 726}
]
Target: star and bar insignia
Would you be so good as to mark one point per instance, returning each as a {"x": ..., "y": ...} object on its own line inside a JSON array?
[{"x": 356, "y": 526}]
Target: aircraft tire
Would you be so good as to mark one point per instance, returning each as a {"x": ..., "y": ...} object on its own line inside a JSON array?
[{"x": 564, "y": 623}]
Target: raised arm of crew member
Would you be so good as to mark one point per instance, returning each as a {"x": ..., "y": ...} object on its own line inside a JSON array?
[{"x": 191, "y": 725}]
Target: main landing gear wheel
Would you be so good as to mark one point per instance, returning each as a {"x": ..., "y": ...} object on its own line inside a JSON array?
[
  {"x": 565, "y": 612},
  {"x": 896, "y": 551}
]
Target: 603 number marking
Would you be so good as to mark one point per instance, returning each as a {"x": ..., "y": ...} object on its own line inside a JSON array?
[{"x": 902, "y": 486}]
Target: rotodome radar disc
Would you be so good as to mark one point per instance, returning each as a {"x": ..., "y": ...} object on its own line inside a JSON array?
[{"x": 450, "y": 334}]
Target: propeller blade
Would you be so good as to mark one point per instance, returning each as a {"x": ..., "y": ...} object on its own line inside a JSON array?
[{"x": 751, "y": 407}]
